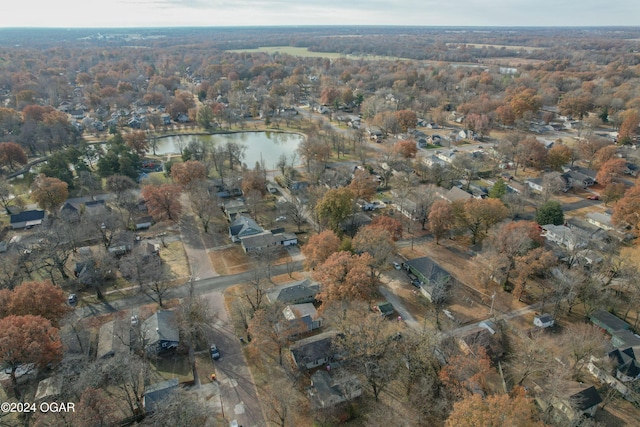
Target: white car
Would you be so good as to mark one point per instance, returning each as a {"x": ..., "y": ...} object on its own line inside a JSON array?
[{"x": 396, "y": 265}]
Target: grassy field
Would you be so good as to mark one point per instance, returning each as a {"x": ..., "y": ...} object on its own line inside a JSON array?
[{"x": 306, "y": 53}]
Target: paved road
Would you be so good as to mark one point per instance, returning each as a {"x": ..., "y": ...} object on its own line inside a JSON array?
[
  {"x": 236, "y": 392},
  {"x": 201, "y": 287}
]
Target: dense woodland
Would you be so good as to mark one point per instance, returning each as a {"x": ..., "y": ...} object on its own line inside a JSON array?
[{"x": 64, "y": 90}]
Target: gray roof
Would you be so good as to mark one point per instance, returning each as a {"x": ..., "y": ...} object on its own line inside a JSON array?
[
  {"x": 156, "y": 393},
  {"x": 243, "y": 225},
  {"x": 296, "y": 292},
  {"x": 609, "y": 321},
  {"x": 313, "y": 348},
  {"x": 33, "y": 215},
  {"x": 161, "y": 326},
  {"x": 112, "y": 338},
  {"x": 428, "y": 268}
]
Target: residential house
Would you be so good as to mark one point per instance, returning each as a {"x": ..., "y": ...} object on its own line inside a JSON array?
[
  {"x": 455, "y": 194},
  {"x": 161, "y": 332},
  {"x": 49, "y": 388},
  {"x": 156, "y": 394},
  {"x": 601, "y": 220},
  {"x": 608, "y": 321},
  {"x": 166, "y": 119},
  {"x": 581, "y": 177},
  {"x": 300, "y": 292},
  {"x": 543, "y": 321},
  {"x": 570, "y": 238},
  {"x": 302, "y": 317},
  {"x": 122, "y": 243},
  {"x": 26, "y": 219},
  {"x": 267, "y": 239},
  {"x": 233, "y": 208},
  {"x": 627, "y": 363},
  {"x": 625, "y": 338},
  {"x": 489, "y": 339},
  {"x": 434, "y": 280},
  {"x": 535, "y": 184},
  {"x": 243, "y": 226},
  {"x": 329, "y": 388},
  {"x": 576, "y": 401},
  {"x": 74, "y": 208},
  {"x": 433, "y": 160},
  {"x": 182, "y": 118},
  {"x": 309, "y": 353}
]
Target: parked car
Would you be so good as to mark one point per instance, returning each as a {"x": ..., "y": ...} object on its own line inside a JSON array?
[
  {"x": 134, "y": 320},
  {"x": 416, "y": 283},
  {"x": 215, "y": 353},
  {"x": 396, "y": 265},
  {"x": 73, "y": 299},
  {"x": 281, "y": 219},
  {"x": 594, "y": 197}
]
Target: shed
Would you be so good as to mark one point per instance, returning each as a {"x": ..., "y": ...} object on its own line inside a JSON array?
[{"x": 543, "y": 321}]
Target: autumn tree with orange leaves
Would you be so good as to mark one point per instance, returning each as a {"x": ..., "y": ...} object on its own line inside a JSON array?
[
  {"x": 514, "y": 410},
  {"x": 629, "y": 127},
  {"x": 465, "y": 374},
  {"x": 363, "y": 185},
  {"x": 163, "y": 201},
  {"x": 344, "y": 276},
  {"x": 406, "y": 148},
  {"x": 478, "y": 215},
  {"x": 49, "y": 193},
  {"x": 137, "y": 141},
  {"x": 186, "y": 173},
  {"x": 626, "y": 211},
  {"x": 440, "y": 219},
  {"x": 610, "y": 171},
  {"x": 319, "y": 248},
  {"x": 25, "y": 340},
  {"x": 38, "y": 299},
  {"x": 11, "y": 155},
  {"x": 391, "y": 225}
]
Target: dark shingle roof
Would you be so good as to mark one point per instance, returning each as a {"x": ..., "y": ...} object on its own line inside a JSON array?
[{"x": 34, "y": 215}]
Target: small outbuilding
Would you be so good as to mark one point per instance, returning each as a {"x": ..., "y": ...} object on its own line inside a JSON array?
[{"x": 543, "y": 321}]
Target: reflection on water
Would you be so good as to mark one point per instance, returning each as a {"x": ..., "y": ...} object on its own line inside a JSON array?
[{"x": 268, "y": 145}]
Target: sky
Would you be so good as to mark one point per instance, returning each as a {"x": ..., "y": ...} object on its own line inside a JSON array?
[{"x": 184, "y": 13}]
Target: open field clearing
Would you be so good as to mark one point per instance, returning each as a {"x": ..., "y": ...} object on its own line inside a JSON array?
[{"x": 306, "y": 53}]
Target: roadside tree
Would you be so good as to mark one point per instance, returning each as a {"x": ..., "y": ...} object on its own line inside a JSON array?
[
  {"x": 187, "y": 173},
  {"x": 39, "y": 299},
  {"x": 344, "y": 276},
  {"x": 389, "y": 224},
  {"x": 137, "y": 141},
  {"x": 611, "y": 170},
  {"x": 440, "y": 219},
  {"x": 336, "y": 205},
  {"x": 559, "y": 155},
  {"x": 376, "y": 242},
  {"x": 319, "y": 248},
  {"x": 163, "y": 201},
  {"x": 363, "y": 185}
]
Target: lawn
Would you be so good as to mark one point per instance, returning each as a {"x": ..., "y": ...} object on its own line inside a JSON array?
[
  {"x": 229, "y": 260},
  {"x": 173, "y": 366}
]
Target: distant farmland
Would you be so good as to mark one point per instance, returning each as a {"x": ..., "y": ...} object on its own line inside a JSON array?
[{"x": 305, "y": 52}]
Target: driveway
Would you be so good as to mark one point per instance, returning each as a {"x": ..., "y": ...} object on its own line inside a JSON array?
[
  {"x": 406, "y": 316},
  {"x": 199, "y": 261}
]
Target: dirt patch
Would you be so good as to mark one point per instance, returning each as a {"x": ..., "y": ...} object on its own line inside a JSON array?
[{"x": 230, "y": 260}]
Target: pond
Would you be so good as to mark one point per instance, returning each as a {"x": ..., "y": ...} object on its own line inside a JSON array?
[{"x": 268, "y": 146}]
